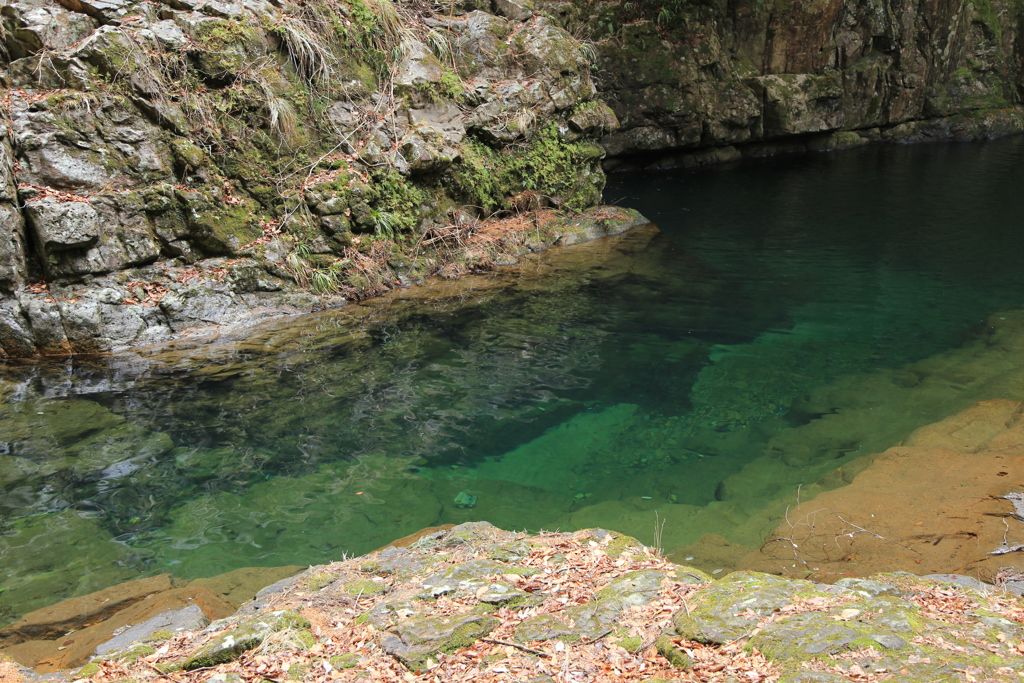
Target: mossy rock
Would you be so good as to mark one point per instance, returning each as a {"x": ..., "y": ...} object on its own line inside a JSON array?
[
  {"x": 157, "y": 636},
  {"x": 318, "y": 580},
  {"x": 731, "y": 608},
  {"x": 365, "y": 587},
  {"x": 414, "y": 641},
  {"x": 245, "y": 636},
  {"x": 542, "y": 627},
  {"x": 692, "y": 576},
  {"x": 346, "y": 661},
  {"x": 514, "y": 551},
  {"x": 132, "y": 653},
  {"x": 88, "y": 670},
  {"x": 675, "y": 655},
  {"x": 621, "y": 544}
]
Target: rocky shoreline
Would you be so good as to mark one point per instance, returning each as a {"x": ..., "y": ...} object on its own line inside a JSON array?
[
  {"x": 178, "y": 164},
  {"x": 477, "y": 602},
  {"x": 169, "y": 300}
]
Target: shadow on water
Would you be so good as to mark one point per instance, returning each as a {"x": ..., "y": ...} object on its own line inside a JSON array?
[{"x": 645, "y": 371}]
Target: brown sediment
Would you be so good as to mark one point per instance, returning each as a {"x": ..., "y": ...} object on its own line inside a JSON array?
[
  {"x": 931, "y": 505},
  {"x": 66, "y": 634}
]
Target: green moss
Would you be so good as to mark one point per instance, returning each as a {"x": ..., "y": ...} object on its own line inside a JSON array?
[
  {"x": 162, "y": 634},
  {"x": 346, "y": 661},
  {"x": 296, "y": 672},
  {"x": 365, "y": 587},
  {"x": 631, "y": 643},
  {"x": 370, "y": 567},
  {"x": 621, "y": 544},
  {"x": 486, "y": 177},
  {"x": 318, "y": 580},
  {"x": 468, "y": 633},
  {"x": 88, "y": 670},
  {"x": 131, "y": 654},
  {"x": 305, "y": 639},
  {"x": 675, "y": 656}
]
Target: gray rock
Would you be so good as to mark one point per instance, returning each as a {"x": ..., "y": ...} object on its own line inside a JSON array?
[
  {"x": 517, "y": 10},
  {"x": 599, "y": 616},
  {"x": 60, "y": 226},
  {"x": 868, "y": 588},
  {"x": 889, "y": 641},
  {"x": 185, "y": 619},
  {"x": 468, "y": 576},
  {"x": 15, "y": 333},
  {"x": 961, "y": 580},
  {"x": 245, "y": 635},
  {"x": 47, "y": 326},
  {"x": 502, "y": 593},
  {"x": 542, "y": 627},
  {"x": 417, "y": 72},
  {"x": 415, "y": 640},
  {"x": 813, "y": 677},
  {"x": 803, "y": 635},
  {"x": 443, "y": 119},
  {"x": 1014, "y": 587},
  {"x": 732, "y": 607},
  {"x": 34, "y": 28},
  {"x": 12, "y": 248},
  {"x": 474, "y": 531}
]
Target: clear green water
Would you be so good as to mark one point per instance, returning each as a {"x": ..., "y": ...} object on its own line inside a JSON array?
[{"x": 595, "y": 392}]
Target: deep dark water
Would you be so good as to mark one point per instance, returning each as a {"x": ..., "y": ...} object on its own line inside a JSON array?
[{"x": 648, "y": 375}]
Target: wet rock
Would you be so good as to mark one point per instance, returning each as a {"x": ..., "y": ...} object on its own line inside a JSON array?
[
  {"x": 185, "y": 619},
  {"x": 83, "y": 611}
]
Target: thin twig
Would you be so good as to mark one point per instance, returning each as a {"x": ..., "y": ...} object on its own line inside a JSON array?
[{"x": 539, "y": 653}]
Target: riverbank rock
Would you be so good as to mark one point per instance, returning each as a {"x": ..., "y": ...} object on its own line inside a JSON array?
[
  {"x": 701, "y": 83},
  {"x": 121, "y": 617},
  {"x": 169, "y": 166},
  {"x": 593, "y": 603}
]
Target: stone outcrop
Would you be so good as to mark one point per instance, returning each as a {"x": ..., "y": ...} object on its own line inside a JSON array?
[
  {"x": 476, "y": 601},
  {"x": 695, "y": 83},
  {"x": 168, "y": 165}
]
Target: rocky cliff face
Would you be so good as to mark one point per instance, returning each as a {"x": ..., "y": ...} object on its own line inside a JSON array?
[
  {"x": 166, "y": 164},
  {"x": 710, "y": 80}
]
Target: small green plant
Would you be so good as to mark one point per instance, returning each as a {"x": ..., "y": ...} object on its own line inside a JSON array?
[{"x": 385, "y": 223}]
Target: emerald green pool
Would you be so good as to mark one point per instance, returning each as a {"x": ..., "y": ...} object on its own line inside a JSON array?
[{"x": 599, "y": 388}]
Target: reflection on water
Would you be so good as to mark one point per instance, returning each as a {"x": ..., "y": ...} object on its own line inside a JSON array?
[{"x": 593, "y": 387}]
